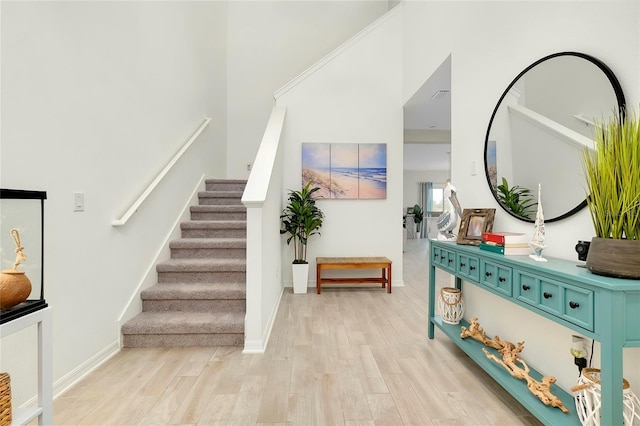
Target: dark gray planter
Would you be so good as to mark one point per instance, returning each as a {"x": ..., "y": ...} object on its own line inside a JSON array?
[{"x": 614, "y": 258}]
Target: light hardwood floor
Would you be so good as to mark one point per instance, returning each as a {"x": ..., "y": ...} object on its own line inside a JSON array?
[{"x": 351, "y": 356}]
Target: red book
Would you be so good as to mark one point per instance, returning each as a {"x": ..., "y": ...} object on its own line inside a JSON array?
[{"x": 505, "y": 238}]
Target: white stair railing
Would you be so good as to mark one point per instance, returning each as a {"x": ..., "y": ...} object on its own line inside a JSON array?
[
  {"x": 263, "y": 199},
  {"x": 138, "y": 202}
]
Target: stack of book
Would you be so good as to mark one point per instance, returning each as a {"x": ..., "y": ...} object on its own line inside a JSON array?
[{"x": 507, "y": 243}]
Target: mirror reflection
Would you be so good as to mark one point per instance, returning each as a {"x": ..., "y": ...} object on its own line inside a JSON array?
[{"x": 537, "y": 130}]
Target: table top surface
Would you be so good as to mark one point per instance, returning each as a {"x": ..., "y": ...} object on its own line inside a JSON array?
[{"x": 347, "y": 260}]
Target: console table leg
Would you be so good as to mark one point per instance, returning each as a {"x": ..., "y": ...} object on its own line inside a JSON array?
[
  {"x": 432, "y": 290},
  {"x": 611, "y": 374}
]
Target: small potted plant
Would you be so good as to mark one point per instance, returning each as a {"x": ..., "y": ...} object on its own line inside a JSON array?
[
  {"x": 517, "y": 199},
  {"x": 418, "y": 216},
  {"x": 612, "y": 172},
  {"x": 301, "y": 219}
]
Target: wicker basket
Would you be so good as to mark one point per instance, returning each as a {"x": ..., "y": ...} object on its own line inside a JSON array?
[
  {"x": 451, "y": 305},
  {"x": 5, "y": 399},
  {"x": 588, "y": 400}
]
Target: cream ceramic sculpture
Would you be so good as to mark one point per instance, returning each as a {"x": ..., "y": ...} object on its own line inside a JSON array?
[
  {"x": 448, "y": 220},
  {"x": 537, "y": 240},
  {"x": 15, "y": 286}
]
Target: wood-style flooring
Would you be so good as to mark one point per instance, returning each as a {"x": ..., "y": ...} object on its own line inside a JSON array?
[{"x": 350, "y": 356}]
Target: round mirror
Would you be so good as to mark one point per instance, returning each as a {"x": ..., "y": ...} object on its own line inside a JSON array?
[{"x": 538, "y": 130}]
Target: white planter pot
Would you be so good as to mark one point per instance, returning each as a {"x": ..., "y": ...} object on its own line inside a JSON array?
[{"x": 300, "y": 277}]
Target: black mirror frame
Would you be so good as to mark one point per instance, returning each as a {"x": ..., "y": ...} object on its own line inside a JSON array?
[{"x": 617, "y": 88}]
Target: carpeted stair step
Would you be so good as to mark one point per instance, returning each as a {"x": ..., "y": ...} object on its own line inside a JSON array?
[
  {"x": 207, "y": 248},
  {"x": 183, "y": 329},
  {"x": 200, "y": 296},
  {"x": 214, "y": 229},
  {"x": 225, "y": 184},
  {"x": 195, "y": 297},
  {"x": 208, "y": 198},
  {"x": 219, "y": 212},
  {"x": 202, "y": 270}
]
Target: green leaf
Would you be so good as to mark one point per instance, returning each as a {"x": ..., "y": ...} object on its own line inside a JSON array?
[
  {"x": 301, "y": 218},
  {"x": 612, "y": 174},
  {"x": 517, "y": 199}
]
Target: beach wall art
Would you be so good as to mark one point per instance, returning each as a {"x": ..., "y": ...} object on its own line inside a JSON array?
[{"x": 346, "y": 170}]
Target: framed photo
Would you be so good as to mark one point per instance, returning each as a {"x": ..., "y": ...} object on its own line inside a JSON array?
[{"x": 473, "y": 223}]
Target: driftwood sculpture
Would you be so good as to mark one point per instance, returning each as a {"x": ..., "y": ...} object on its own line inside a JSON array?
[{"x": 515, "y": 365}]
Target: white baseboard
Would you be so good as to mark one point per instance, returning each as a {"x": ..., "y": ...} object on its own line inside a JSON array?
[{"x": 74, "y": 376}]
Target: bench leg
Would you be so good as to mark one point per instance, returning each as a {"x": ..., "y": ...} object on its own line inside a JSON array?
[
  {"x": 318, "y": 283},
  {"x": 389, "y": 288}
]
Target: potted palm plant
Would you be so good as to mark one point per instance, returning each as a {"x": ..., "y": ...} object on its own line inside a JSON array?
[
  {"x": 418, "y": 216},
  {"x": 301, "y": 219},
  {"x": 612, "y": 172},
  {"x": 517, "y": 199}
]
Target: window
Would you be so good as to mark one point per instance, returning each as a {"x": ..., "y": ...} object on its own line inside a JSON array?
[{"x": 437, "y": 200}]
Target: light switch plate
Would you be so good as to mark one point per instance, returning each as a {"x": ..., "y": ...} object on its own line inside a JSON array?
[{"x": 78, "y": 201}]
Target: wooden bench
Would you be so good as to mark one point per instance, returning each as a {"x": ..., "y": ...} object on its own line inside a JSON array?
[{"x": 323, "y": 263}]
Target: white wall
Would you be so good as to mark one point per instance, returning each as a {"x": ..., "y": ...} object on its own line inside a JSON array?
[
  {"x": 355, "y": 98},
  {"x": 490, "y": 43},
  {"x": 269, "y": 44},
  {"x": 96, "y": 98}
]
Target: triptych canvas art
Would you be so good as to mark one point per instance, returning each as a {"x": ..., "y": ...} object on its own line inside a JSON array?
[{"x": 346, "y": 170}]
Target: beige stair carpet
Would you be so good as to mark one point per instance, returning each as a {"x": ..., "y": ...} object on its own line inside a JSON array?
[{"x": 200, "y": 296}]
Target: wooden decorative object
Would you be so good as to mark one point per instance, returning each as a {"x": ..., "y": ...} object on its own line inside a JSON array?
[
  {"x": 473, "y": 223},
  {"x": 15, "y": 286},
  {"x": 5, "y": 399},
  {"x": 515, "y": 365}
]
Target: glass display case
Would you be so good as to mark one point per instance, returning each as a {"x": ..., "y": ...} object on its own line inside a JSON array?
[{"x": 22, "y": 240}]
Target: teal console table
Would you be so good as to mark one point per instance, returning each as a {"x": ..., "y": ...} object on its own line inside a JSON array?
[{"x": 601, "y": 308}]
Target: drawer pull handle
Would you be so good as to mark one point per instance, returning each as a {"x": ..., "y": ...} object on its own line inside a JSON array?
[
  {"x": 526, "y": 287},
  {"x": 502, "y": 279},
  {"x": 472, "y": 268},
  {"x": 442, "y": 257},
  {"x": 574, "y": 305},
  {"x": 462, "y": 265},
  {"x": 547, "y": 295},
  {"x": 450, "y": 260},
  {"x": 487, "y": 274}
]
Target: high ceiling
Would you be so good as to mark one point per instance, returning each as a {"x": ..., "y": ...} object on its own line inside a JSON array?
[{"x": 427, "y": 123}]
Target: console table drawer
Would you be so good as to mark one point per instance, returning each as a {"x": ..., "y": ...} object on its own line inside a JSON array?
[
  {"x": 578, "y": 307},
  {"x": 497, "y": 277},
  {"x": 445, "y": 259},
  {"x": 563, "y": 300},
  {"x": 468, "y": 267}
]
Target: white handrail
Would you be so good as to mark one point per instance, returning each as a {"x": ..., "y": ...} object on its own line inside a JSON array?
[
  {"x": 136, "y": 204},
  {"x": 564, "y": 133},
  {"x": 255, "y": 191}
]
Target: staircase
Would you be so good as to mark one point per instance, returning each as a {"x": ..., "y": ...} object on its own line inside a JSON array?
[{"x": 199, "y": 299}]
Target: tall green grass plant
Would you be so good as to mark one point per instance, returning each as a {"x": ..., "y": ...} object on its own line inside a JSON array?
[{"x": 612, "y": 172}]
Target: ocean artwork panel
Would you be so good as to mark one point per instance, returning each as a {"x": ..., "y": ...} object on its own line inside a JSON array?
[{"x": 346, "y": 170}]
